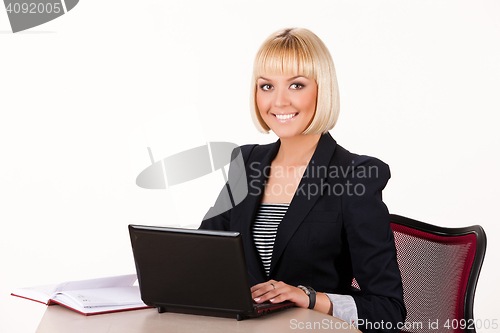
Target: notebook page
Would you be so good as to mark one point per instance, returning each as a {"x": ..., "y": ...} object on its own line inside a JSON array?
[
  {"x": 107, "y": 282},
  {"x": 39, "y": 293},
  {"x": 89, "y": 298}
]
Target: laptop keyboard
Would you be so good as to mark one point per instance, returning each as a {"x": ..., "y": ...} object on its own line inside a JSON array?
[{"x": 268, "y": 307}]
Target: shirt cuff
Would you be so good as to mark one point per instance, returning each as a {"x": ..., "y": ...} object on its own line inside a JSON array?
[{"x": 344, "y": 308}]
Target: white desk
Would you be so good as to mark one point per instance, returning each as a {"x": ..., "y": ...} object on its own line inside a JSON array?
[{"x": 58, "y": 319}]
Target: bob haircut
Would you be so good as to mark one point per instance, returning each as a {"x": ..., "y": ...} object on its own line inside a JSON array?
[{"x": 299, "y": 51}]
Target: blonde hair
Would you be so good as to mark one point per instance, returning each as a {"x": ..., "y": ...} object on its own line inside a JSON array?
[{"x": 299, "y": 51}]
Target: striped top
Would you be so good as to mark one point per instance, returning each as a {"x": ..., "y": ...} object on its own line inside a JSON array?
[{"x": 265, "y": 228}]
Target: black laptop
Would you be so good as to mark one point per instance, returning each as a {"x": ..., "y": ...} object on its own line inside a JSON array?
[{"x": 194, "y": 271}]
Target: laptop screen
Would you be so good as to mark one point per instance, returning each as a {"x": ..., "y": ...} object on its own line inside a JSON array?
[{"x": 187, "y": 268}]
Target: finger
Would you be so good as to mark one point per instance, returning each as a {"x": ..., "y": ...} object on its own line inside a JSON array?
[
  {"x": 266, "y": 297},
  {"x": 263, "y": 284},
  {"x": 284, "y": 294},
  {"x": 256, "y": 287},
  {"x": 266, "y": 291},
  {"x": 262, "y": 291},
  {"x": 279, "y": 298},
  {"x": 281, "y": 289},
  {"x": 263, "y": 288}
]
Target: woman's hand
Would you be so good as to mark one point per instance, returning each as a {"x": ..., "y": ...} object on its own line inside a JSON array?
[{"x": 277, "y": 292}]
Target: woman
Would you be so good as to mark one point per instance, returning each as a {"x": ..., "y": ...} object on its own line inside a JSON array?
[{"x": 314, "y": 214}]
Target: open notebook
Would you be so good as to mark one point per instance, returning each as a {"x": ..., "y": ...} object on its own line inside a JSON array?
[{"x": 88, "y": 297}]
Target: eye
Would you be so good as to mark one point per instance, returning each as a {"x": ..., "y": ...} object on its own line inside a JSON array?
[
  {"x": 266, "y": 87},
  {"x": 297, "y": 86}
]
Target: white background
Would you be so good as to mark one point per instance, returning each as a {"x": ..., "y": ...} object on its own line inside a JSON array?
[{"x": 83, "y": 96}]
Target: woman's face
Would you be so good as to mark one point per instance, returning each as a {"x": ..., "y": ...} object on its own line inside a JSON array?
[{"x": 286, "y": 103}]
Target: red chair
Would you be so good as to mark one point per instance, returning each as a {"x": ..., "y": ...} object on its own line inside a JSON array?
[{"x": 439, "y": 268}]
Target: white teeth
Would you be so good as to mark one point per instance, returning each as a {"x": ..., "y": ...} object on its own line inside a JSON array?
[{"x": 285, "y": 116}]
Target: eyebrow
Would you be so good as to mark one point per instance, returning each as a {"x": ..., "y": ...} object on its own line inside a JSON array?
[{"x": 291, "y": 79}]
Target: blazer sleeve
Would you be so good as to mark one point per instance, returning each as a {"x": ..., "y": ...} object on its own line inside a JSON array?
[{"x": 371, "y": 245}]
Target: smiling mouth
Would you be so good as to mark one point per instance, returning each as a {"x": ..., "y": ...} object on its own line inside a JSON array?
[{"x": 285, "y": 116}]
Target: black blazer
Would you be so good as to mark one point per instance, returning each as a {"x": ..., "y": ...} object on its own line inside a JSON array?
[{"x": 336, "y": 228}]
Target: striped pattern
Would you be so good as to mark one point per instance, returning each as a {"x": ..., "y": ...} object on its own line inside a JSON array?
[{"x": 265, "y": 228}]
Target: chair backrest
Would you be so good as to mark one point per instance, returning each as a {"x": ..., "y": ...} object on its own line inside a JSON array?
[{"x": 439, "y": 269}]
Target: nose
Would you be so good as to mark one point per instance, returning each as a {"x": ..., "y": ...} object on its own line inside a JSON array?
[{"x": 281, "y": 98}]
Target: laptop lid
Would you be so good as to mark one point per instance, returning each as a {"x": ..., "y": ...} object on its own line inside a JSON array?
[{"x": 192, "y": 271}]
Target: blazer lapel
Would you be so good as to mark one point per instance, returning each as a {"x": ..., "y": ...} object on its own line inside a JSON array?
[
  {"x": 308, "y": 192},
  {"x": 258, "y": 172}
]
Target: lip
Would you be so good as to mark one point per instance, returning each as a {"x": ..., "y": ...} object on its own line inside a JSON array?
[{"x": 287, "y": 120}]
